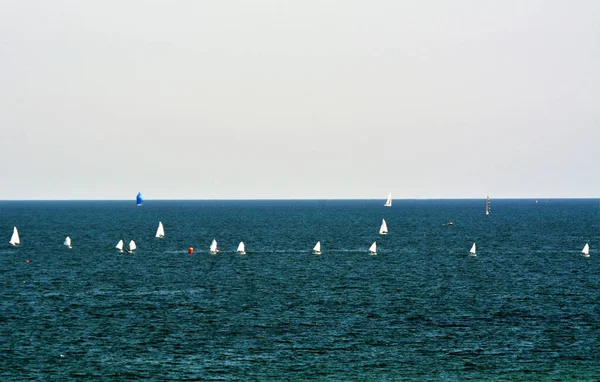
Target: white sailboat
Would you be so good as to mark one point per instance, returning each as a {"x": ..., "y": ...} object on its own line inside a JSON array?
[
  {"x": 14, "y": 239},
  {"x": 213, "y": 248},
  {"x": 488, "y": 207},
  {"x": 388, "y": 202},
  {"x": 241, "y": 249},
  {"x": 373, "y": 248},
  {"x": 119, "y": 245},
  {"x": 586, "y": 250},
  {"x": 317, "y": 248},
  {"x": 132, "y": 247},
  {"x": 472, "y": 251},
  {"x": 383, "y": 230},
  {"x": 160, "y": 231},
  {"x": 67, "y": 242}
]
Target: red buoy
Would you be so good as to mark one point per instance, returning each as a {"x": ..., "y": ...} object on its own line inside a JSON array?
[
  {"x": 190, "y": 250},
  {"x": 26, "y": 261}
]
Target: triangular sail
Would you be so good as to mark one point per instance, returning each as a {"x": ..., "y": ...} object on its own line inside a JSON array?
[
  {"x": 388, "y": 202},
  {"x": 488, "y": 207},
  {"x": 160, "y": 231},
  {"x": 383, "y": 230},
  {"x": 472, "y": 251},
  {"x": 241, "y": 249},
  {"x": 373, "y": 247},
  {"x": 317, "y": 247},
  {"x": 139, "y": 200},
  {"x": 586, "y": 250},
  {"x": 67, "y": 242},
  {"x": 213, "y": 246},
  {"x": 119, "y": 245},
  {"x": 132, "y": 245},
  {"x": 14, "y": 239}
]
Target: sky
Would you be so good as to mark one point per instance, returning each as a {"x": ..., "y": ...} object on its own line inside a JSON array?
[{"x": 299, "y": 99}]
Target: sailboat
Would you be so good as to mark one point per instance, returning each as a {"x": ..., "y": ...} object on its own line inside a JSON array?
[
  {"x": 14, "y": 239},
  {"x": 373, "y": 248},
  {"x": 472, "y": 251},
  {"x": 213, "y": 248},
  {"x": 139, "y": 199},
  {"x": 119, "y": 245},
  {"x": 132, "y": 247},
  {"x": 241, "y": 249},
  {"x": 488, "y": 207},
  {"x": 160, "y": 231},
  {"x": 586, "y": 250},
  {"x": 383, "y": 230},
  {"x": 388, "y": 202},
  {"x": 317, "y": 248},
  {"x": 67, "y": 242}
]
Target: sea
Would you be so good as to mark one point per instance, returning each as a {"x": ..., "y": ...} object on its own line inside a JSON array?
[{"x": 527, "y": 307}]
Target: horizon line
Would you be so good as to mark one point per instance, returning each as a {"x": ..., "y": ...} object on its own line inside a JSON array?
[{"x": 290, "y": 199}]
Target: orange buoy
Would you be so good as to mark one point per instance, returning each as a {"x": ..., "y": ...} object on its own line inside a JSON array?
[{"x": 190, "y": 250}]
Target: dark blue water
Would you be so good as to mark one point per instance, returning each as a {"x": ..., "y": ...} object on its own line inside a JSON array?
[{"x": 527, "y": 307}]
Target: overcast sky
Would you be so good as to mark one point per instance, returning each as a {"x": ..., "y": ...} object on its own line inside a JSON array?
[{"x": 299, "y": 99}]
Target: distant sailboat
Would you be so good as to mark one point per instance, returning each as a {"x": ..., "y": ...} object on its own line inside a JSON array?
[
  {"x": 241, "y": 249},
  {"x": 383, "y": 230},
  {"x": 132, "y": 247},
  {"x": 488, "y": 207},
  {"x": 119, "y": 245},
  {"x": 213, "y": 248},
  {"x": 373, "y": 248},
  {"x": 160, "y": 231},
  {"x": 14, "y": 239},
  {"x": 317, "y": 248},
  {"x": 139, "y": 199},
  {"x": 388, "y": 202},
  {"x": 67, "y": 242},
  {"x": 472, "y": 251},
  {"x": 586, "y": 250}
]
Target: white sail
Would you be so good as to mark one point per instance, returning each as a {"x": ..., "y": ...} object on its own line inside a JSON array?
[
  {"x": 373, "y": 248},
  {"x": 132, "y": 245},
  {"x": 317, "y": 248},
  {"x": 241, "y": 249},
  {"x": 388, "y": 202},
  {"x": 213, "y": 247},
  {"x": 67, "y": 242},
  {"x": 472, "y": 251},
  {"x": 160, "y": 231},
  {"x": 119, "y": 245},
  {"x": 383, "y": 230},
  {"x": 586, "y": 250},
  {"x": 14, "y": 239},
  {"x": 488, "y": 207}
]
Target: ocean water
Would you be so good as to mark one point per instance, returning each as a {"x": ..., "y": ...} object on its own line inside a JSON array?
[{"x": 526, "y": 308}]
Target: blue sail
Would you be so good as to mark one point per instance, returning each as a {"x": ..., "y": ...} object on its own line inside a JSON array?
[{"x": 139, "y": 199}]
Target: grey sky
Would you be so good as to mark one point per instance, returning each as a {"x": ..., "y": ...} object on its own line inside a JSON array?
[{"x": 299, "y": 99}]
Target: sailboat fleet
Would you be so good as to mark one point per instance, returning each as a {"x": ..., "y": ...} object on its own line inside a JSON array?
[{"x": 241, "y": 249}]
